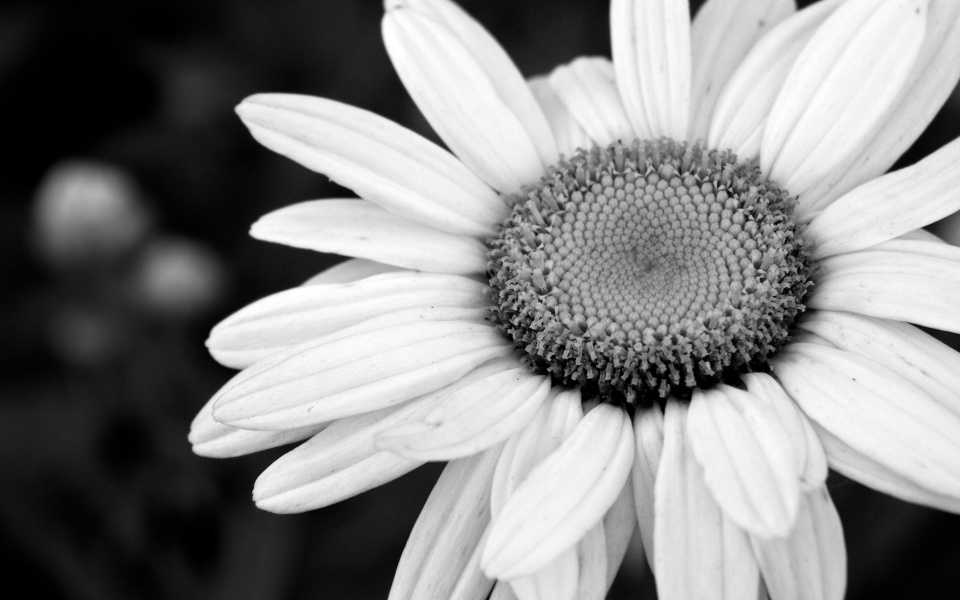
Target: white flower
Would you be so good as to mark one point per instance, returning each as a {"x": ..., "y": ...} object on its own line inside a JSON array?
[{"x": 638, "y": 331}]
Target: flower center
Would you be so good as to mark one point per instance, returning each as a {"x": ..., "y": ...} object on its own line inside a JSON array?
[{"x": 642, "y": 271}]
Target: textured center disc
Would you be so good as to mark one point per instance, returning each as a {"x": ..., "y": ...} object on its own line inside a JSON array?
[{"x": 641, "y": 271}]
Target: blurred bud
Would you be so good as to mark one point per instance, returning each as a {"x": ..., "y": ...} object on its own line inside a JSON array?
[
  {"x": 83, "y": 336},
  {"x": 177, "y": 277},
  {"x": 87, "y": 212}
]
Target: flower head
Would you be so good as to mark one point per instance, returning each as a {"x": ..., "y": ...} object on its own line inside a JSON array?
[{"x": 667, "y": 290}]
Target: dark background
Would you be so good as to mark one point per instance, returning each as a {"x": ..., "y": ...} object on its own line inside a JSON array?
[{"x": 102, "y": 364}]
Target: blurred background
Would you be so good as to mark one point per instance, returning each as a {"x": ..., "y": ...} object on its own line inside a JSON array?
[{"x": 127, "y": 186}]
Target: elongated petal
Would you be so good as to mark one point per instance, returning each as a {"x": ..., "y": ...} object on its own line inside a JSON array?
[
  {"x": 339, "y": 462},
  {"x": 651, "y": 54},
  {"x": 461, "y": 100},
  {"x": 699, "y": 552},
  {"x": 618, "y": 526},
  {"x": 875, "y": 412},
  {"x": 568, "y": 132},
  {"x": 497, "y": 65},
  {"x": 558, "y": 579},
  {"x": 810, "y": 564},
  {"x": 843, "y": 84},
  {"x": 811, "y": 465},
  {"x": 216, "y": 440},
  {"x": 472, "y": 583},
  {"x": 742, "y": 108},
  {"x": 563, "y": 497},
  {"x": 363, "y": 229},
  {"x": 748, "y": 458},
  {"x": 932, "y": 79},
  {"x": 911, "y": 285},
  {"x": 317, "y": 382},
  {"x": 449, "y": 528},
  {"x": 350, "y": 270},
  {"x": 919, "y": 357},
  {"x": 648, "y": 432},
  {"x": 889, "y": 206},
  {"x": 871, "y": 473},
  {"x": 723, "y": 32},
  {"x": 472, "y": 418},
  {"x": 301, "y": 314},
  {"x": 593, "y": 564},
  {"x": 588, "y": 89},
  {"x": 381, "y": 161}
]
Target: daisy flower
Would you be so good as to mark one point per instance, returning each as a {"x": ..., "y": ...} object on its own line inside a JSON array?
[{"x": 667, "y": 290}]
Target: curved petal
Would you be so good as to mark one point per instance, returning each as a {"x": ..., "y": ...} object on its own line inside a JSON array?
[
  {"x": 650, "y": 41},
  {"x": 722, "y": 33},
  {"x": 810, "y": 564},
  {"x": 933, "y": 78},
  {"x": 301, "y": 314},
  {"x": 363, "y": 229},
  {"x": 889, "y": 206},
  {"x": 350, "y": 270},
  {"x": 748, "y": 458},
  {"x": 472, "y": 583},
  {"x": 320, "y": 381},
  {"x": 741, "y": 111},
  {"x": 497, "y": 65},
  {"x": 648, "y": 431},
  {"x": 912, "y": 284},
  {"x": 618, "y": 526},
  {"x": 699, "y": 552},
  {"x": 568, "y": 132},
  {"x": 448, "y": 530},
  {"x": 905, "y": 350},
  {"x": 462, "y": 101},
  {"x": 842, "y": 86},
  {"x": 337, "y": 463},
  {"x": 563, "y": 497},
  {"x": 588, "y": 89},
  {"x": 876, "y": 412},
  {"x": 472, "y": 417},
  {"x": 215, "y": 440},
  {"x": 381, "y": 161}
]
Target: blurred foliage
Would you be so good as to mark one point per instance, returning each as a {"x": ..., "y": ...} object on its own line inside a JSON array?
[{"x": 102, "y": 373}]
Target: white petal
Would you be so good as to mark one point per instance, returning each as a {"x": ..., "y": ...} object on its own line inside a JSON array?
[
  {"x": 811, "y": 462},
  {"x": 462, "y": 101},
  {"x": 448, "y": 530},
  {"x": 473, "y": 416},
  {"x": 875, "y": 412},
  {"x": 651, "y": 53},
  {"x": 840, "y": 89},
  {"x": 563, "y": 497},
  {"x": 588, "y": 89},
  {"x": 497, "y": 65},
  {"x": 648, "y": 431},
  {"x": 618, "y": 526},
  {"x": 216, "y": 440},
  {"x": 810, "y": 564},
  {"x": 363, "y": 229},
  {"x": 933, "y": 78},
  {"x": 745, "y": 102},
  {"x": 560, "y": 579},
  {"x": 317, "y": 381},
  {"x": 748, "y": 458},
  {"x": 889, "y": 206},
  {"x": 593, "y": 565},
  {"x": 350, "y": 270},
  {"x": 910, "y": 285},
  {"x": 301, "y": 314},
  {"x": 723, "y": 32},
  {"x": 568, "y": 132},
  {"x": 472, "y": 583},
  {"x": 337, "y": 463},
  {"x": 871, "y": 473},
  {"x": 699, "y": 552},
  {"x": 381, "y": 161},
  {"x": 925, "y": 361}
]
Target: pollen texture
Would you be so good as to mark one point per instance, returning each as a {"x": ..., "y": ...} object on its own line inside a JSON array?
[{"x": 642, "y": 271}]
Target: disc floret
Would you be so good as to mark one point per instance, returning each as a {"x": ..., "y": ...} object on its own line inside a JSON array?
[{"x": 644, "y": 270}]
